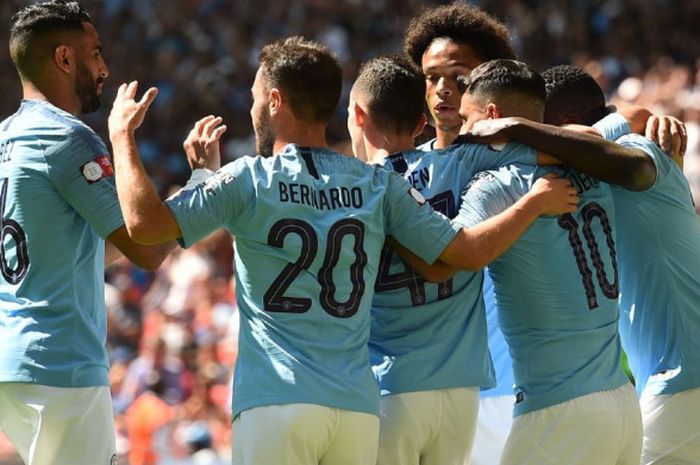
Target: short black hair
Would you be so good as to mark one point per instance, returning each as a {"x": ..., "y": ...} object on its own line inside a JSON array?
[
  {"x": 394, "y": 91},
  {"x": 497, "y": 77},
  {"x": 35, "y": 32},
  {"x": 308, "y": 74},
  {"x": 460, "y": 23},
  {"x": 573, "y": 92}
]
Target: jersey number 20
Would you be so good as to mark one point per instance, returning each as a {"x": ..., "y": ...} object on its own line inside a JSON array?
[{"x": 274, "y": 299}]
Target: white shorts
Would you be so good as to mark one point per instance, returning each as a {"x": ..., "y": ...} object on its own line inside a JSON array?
[
  {"x": 602, "y": 428},
  {"x": 671, "y": 428},
  {"x": 428, "y": 427},
  {"x": 58, "y": 426},
  {"x": 492, "y": 429},
  {"x": 304, "y": 434}
]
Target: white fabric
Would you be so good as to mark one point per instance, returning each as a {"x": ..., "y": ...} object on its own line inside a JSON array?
[
  {"x": 428, "y": 427},
  {"x": 602, "y": 428},
  {"x": 304, "y": 434},
  {"x": 492, "y": 429},
  {"x": 671, "y": 428},
  {"x": 58, "y": 426}
]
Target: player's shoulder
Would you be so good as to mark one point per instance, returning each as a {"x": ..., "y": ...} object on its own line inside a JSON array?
[
  {"x": 638, "y": 141},
  {"x": 516, "y": 178}
]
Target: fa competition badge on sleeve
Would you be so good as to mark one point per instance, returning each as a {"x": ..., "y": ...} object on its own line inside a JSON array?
[{"x": 97, "y": 168}]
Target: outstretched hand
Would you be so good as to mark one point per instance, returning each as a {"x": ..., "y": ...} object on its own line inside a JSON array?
[
  {"x": 555, "y": 195},
  {"x": 127, "y": 114},
  {"x": 202, "y": 143}
]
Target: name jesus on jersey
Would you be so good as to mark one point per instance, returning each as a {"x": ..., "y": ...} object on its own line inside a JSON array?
[{"x": 320, "y": 199}]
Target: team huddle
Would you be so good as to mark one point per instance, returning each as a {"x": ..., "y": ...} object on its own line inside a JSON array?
[{"x": 464, "y": 301}]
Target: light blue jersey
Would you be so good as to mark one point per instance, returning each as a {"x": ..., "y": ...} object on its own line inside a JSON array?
[
  {"x": 556, "y": 289},
  {"x": 309, "y": 226},
  {"x": 428, "y": 336},
  {"x": 659, "y": 257},
  {"x": 500, "y": 355},
  {"x": 57, "y": 203}
]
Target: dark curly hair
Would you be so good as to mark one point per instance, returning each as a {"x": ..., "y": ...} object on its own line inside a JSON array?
[
  {"x": 35, "y": 30},
  {"x": 394, "y": 90},
  {"x": 461, "y": 23},
  {"x": 572, "y": 91},
  {"x": 307, "y": 72}
]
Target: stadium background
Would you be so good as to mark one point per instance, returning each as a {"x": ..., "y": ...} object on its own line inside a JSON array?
[{"x": 181, "y": 321}]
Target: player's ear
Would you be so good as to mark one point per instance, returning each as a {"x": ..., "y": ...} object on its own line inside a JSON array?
[
  {"x": 275, "y": 101},
  {"x": 360, "y": 115},
  {"x": 492, "y": 111},
  {"x": 64, "y": 58},
  {"x": 420, "y": 126}
]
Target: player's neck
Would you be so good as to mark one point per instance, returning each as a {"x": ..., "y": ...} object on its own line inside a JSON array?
[
  {"x": 66, "y": 101},
  {"x": 387, "y": 145},
  {"x": 303, "y": 134},
  {"x": 444, "y": 138}
]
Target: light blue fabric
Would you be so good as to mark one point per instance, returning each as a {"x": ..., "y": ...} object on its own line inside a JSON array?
[
  {"x": 309, "y": 227},
  {"x": 58, "y": 203},
  {"x": 555, "y": 288},
  {"x": 428, "y": 336}
]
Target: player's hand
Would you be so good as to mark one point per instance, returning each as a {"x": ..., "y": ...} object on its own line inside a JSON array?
[
  {"x": 554, "y": 195},
  {"x": 127, "y": 113},
  {"x": 492, "y": 131},
  {"x": 669, "y": 132},
  {"x": 202, "y": 143}
]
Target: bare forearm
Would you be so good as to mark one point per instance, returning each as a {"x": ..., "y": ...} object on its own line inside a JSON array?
[
  {"x": 436, "y": 273},
  {"x": 144, "y": 213},
  {"x": 601, "y": 159},
  {"x": 476, "y": 247}
]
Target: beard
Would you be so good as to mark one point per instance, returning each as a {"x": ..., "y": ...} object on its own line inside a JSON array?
[
  {"x": 86, "y": 89},
  {"x": 264, "y": 137}
]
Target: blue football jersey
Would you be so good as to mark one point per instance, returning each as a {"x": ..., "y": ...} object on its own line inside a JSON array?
[
  {"x": 659, "y": 256},
  {"x": 309, "y": 226},
  {"x": 556, "y": 289},
  {"x": 500, "y": 354},
  {"x": 428, "y": 336},
  {"x": 57, "y": 202}
]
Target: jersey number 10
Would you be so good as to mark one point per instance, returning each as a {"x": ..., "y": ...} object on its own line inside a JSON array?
[{"x": 589, "y": 212}]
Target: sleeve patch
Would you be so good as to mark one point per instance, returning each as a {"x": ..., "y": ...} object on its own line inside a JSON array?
[{"x": 97, "y": 168}]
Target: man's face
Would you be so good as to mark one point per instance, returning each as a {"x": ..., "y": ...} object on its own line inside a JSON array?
[
  {"x": 471, "y": 110},
  {"x": 442, "y": 63},
  {"x": 259, "y": 113},
  {"x": 91, "y": 69}
]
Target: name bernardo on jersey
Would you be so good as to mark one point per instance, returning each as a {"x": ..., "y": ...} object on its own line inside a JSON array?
[{"x": 320, "y": 199}]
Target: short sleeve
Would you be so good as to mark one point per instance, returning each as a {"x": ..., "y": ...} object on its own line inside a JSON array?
[
  {"x": 80, "y": 169},
  {"x": 613, "y": 126},
  {"x": 485, "y": 196},
  {"x": 213, "y": 203},
  {"x": 483, "y": 157},
  {"x": 662, "y": 161},
  {"x": 413, "y": 222}
]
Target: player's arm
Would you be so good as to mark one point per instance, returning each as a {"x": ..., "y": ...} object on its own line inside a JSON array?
[
  {"x": 147, "y": 218},
  {"x": 438, "y": 272},
  {"x": 667, "y": 131},
  {"x": 607, "y": 161},
  {"x": 477, "y": 246}
]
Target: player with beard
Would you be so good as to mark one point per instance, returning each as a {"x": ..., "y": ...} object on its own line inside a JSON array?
[
  {"x": 309, "y": 226},
  {"x": 58, "y": 205}
]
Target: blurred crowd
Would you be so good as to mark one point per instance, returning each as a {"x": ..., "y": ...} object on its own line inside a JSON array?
[{"x": 172, "y": 334}]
